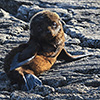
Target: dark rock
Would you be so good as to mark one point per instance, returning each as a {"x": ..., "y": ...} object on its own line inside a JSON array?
[
  {"x": 43, "y": 90},
  {"x": 63, "y": 97},
  {"x": 24, "y": 96},
  {"x": 15, "y": 4},
  {"x": 23, "y": 12},
  {"x": 93, "y": 83},
  {"x": 78, "y": 80},
  {"x": 55, "y": 81}
]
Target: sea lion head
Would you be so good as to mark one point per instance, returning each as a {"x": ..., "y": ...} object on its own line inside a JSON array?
[{"x": 45, "y": 26}]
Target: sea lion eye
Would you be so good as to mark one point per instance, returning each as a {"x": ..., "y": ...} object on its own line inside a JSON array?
[{"x": 54, "y": 25}]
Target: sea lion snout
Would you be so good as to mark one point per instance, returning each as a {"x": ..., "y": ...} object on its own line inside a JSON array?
[{"x": 54, "y": 31}]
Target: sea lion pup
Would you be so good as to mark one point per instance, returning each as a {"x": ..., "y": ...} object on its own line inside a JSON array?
[{"x": 46, "y": 44}]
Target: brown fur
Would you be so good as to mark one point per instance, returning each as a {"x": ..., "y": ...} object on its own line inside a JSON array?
[{"x": 46, "y": 43}]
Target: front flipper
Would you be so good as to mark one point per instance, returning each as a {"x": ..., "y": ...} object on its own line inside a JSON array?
[
  {"x": 31, "y": 81},
  {"x": 15, "y": 64},
  {"x": 64, "y": 55}
]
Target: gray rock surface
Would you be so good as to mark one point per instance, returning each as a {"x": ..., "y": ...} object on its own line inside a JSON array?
[{"x": 79, "y": 80}]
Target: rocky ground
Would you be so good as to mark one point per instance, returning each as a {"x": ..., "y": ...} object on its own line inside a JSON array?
[{"x": 79, "y": 80}]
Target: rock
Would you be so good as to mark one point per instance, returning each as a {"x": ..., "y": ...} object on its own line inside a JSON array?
[
  {"x": 93, "y": 83},
  {"x": 55, "y": 81},
  {"x": 16, "y": 95},
  {"x": 14, "y": 4},
  {"x": 63, "y": 97},
  {"x": 4, "y": 13},
  {"x": 74, "y": 41},
  {"x": 3, "y": 38},
  {"x": 4, "y": 95},
  {"x": 77, "y": 80},
  {"x": 23, "y": 12},
  {"x": 43, "y": 90},
  {"x": 10, "y": 29}
]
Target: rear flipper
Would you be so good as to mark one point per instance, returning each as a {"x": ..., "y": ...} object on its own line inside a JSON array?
[
  {"x": 64, "y": 55},
  {"x": 31, "y": 81}
]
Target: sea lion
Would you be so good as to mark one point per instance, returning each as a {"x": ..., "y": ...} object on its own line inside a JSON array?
[{"x": 46, "y": 44}]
